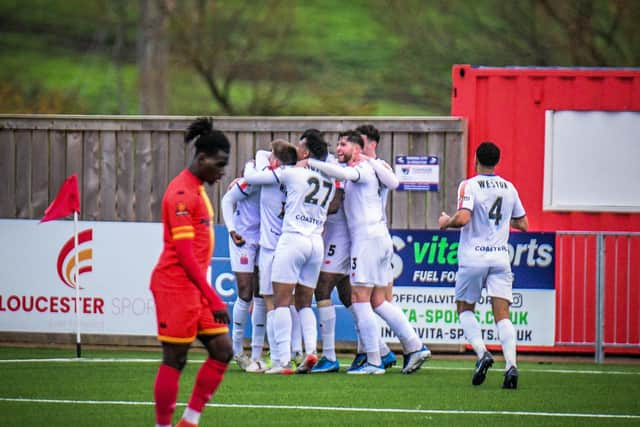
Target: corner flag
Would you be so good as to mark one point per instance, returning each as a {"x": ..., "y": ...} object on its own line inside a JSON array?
[{"x": 66, "y": 202}]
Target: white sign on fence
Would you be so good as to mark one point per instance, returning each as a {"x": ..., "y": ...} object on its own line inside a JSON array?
[{"x": 37, "y": 292}]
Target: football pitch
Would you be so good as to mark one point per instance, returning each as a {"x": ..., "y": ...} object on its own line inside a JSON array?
[{"x": 49, "y": 387}]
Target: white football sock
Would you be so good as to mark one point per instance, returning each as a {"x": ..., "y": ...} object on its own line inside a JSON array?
[
  {"x": 240, "y": 314},
  {"x": 327, "y": 318},
  {"x": 400, "y": 326},
  {"x": 296, "y": 331},
  {"x": 384, "y": 348},
  {"x": 271, "y": 336},
  {"x": 309, "y": 327},
  {"x": 368, "y": 331},
  {"x": 359, "y": 345},
  {"x": 282, "y": 331},
  {"x": 191, "y": 415},
  {"x": 507, "y": 335},
  {"x": 258, "y": 322},
  {"x": 472, "y": 332}
]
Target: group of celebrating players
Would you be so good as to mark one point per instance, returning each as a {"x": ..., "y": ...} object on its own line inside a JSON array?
[{"x": 301, "y": 222}]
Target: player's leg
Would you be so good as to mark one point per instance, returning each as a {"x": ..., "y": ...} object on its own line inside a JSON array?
[
  {"x": 468, "y": 290},
  {"x": 240, "y": 316},
  {"x": 282, "y": 324},
  {"x": 368, "y": 326},
  {"x": 176, "y": 317},
  {"x": 165, "y": 389},
  {"x": 209, "y": 376},
  {"x": 308, "y": 278},
  {"x": 291, "y": 253},
  {"x": 388, "y": 357},
  {"x": 499, "y": 288},
  {"x": 296, "y": 336},
  {"x": 258, "y": 328},
  {"x": 326, "y": 318},
  {"x": 344, "y": 293},
  {"x": 215, "y": 337},
  {"x": 265, "y": 265},
  {"x": 243, "y": 262},
  {"x": 415, "y": 352},
  {"x": 309, "y": 327}
]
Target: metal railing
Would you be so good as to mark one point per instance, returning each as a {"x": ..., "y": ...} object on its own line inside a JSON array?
[{"x": 598, "y": 290}]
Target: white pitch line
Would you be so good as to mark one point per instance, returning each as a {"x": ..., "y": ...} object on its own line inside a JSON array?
[
  {"x": 333, "y": 408},
  {"x": 434, "y": 368}
]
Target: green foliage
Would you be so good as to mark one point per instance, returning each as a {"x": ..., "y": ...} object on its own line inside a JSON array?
[{"x": 374, "y": 57}]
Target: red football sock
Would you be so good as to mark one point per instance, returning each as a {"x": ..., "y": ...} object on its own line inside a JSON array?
[
  {"x": 165, "y": 392},
  {"x": 208, "y": 379}
]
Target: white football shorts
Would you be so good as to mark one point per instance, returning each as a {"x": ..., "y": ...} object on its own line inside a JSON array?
[
  {"x": 298, "y": 259},
  {"x": 337, "y": 253},
  {"x": 244, "y": 259},
  {"x": 470, "y": 280},
  {"x": 371, "y": 261}
]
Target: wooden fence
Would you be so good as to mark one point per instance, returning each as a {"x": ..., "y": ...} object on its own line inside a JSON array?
[{"x": 124, "y": 163}]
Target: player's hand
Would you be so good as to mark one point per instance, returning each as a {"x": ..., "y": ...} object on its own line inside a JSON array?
[
  {"x": 443, "y": 221},
  {"x": 238, "y": 240},
  {"x": 221, "y": 316},
  {"x": 303, "y": 163}
]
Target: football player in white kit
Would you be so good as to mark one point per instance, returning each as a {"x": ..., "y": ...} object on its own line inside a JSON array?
[
  {"x": 272, "y": 200},
  {"x": 299, "y": 252},
  {"x": 335, "y": 274},
  {"x": 371, "y": 248},
  {"x": 241, "y": 213},
  {"x": 487, "y": 206}
]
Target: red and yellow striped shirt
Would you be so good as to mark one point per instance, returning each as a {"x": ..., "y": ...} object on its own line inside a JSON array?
[{"x": 186, "y": 214}]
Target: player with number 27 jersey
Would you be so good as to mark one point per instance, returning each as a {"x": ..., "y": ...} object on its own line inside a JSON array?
[{"x": 494, "y": 202}]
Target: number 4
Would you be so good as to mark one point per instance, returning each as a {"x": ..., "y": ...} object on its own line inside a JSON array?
[{"x": 495, "y": 211}]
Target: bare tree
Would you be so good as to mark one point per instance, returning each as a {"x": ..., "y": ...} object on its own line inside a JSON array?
[
  {"x": 153, "y": 57},
  {"x": 434, "y": 35},
  {"x": 231, "y": 42}
]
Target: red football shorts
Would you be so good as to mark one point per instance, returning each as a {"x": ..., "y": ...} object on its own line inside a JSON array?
[{"x": 182, "y": 315}]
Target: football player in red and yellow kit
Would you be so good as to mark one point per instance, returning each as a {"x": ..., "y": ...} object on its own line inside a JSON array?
[{"x": 186, "y": 306}]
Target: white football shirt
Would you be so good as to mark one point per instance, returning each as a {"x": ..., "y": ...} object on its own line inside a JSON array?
[{"x": 493, "y": 202}]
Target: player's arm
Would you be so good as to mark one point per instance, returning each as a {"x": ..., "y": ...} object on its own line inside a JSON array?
[
  {"x": 521, "y": 224},
  {"x": 336, "y": 171},
  {"x": 458, "y": 220},
  {"x": 239, "y": 191},
  {"x": 519, "y": 219},
  {"x": 385, "y": 174},
  {"x": 463, "y": 214},
  {"x": 265, "y": 177}
]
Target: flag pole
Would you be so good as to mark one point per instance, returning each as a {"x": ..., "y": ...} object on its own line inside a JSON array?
[{"x": 77, "y": 283}]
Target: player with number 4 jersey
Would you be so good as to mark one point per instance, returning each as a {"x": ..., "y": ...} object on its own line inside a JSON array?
[{"x": 487, "y": 206}]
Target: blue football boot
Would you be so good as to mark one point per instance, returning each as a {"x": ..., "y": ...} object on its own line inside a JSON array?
[
  {"x": 388, "y": 360},
  {"x": 358, "y": 361},
  {"x": 325, "y": 365}
]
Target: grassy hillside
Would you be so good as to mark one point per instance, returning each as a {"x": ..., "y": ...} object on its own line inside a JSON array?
[{"x": 59, "y": 57}]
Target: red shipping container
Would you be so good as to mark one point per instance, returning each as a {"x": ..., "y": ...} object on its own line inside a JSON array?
[{"x": 507, "y": 105}]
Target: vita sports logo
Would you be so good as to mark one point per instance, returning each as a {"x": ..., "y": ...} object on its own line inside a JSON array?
[{"x": 68, "y": 271}]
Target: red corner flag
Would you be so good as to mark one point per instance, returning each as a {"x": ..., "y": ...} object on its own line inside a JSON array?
[{"x": 66, "y": 202}]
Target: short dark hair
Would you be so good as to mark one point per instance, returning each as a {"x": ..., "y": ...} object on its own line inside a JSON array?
[
  {"x": 370, "y": 132},
  {"x": 309, "y": 132},
  {"x": 488, "y": 154},
  {"x": 207, "y": 139},
  {"x": 284, "y": 151},
  {"x": 355, "y": 138},
  {"x": 316, "y": 145}
]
